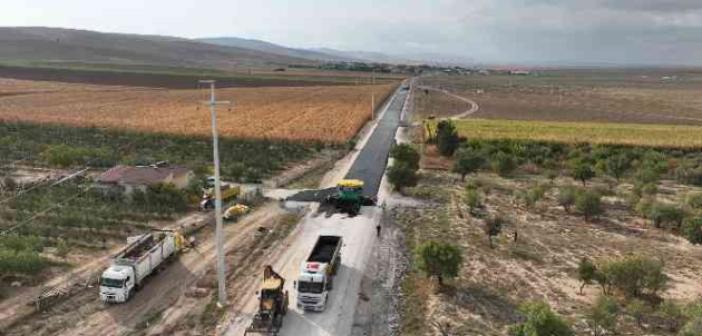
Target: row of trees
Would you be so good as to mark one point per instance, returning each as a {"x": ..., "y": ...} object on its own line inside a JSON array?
[
  {"x": 65, "y": 146},
  {"x": 582, "y": 161}
]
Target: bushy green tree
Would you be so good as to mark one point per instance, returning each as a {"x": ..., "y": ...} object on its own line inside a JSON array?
[
  {"x": 587, "y": 273},
  {"x": 602, "y": 316},
  {"x": 467, "y": 161},
  {"x": 440, "y": 260},
  {"x": 540, "y": 320},
  {"x": 661, "y": 214},
  {"x": 589, "y": 204},
  {"x": 692, "y": 230},
  {"x": 503, "y": 163},
  {"x": 401, "y": 175},
  {"x": 617, "y": 165},
  {"x": 566, "y": 197},
  {"x": 407, "y": 154},
  {"x": 635, "y": 275},
  {"x": 582, "y": 171},
  {"x": 447, "y": 139}
]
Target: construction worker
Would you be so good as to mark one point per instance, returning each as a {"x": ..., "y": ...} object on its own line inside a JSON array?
[{"x": 377, "y": 230}]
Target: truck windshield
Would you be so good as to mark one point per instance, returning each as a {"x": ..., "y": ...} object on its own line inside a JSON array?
[
  {"x": 114, "y": 283},
  {"x": 310, "y": 287}
]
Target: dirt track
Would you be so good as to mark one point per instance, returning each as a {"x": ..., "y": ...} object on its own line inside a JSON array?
[{"x": 84, "y": 314}]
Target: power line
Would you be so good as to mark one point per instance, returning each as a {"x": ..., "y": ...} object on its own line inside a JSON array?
[
  {"x": 43, "y": 212},
  {"x": 38, "y": 185}
]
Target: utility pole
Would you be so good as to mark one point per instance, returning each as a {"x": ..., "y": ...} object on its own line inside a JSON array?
[
  {"x": 219, "y": 235},
  {"x": 373, "y": 95}
]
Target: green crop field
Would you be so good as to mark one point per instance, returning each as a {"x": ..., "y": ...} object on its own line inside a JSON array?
[{"x": 676, "y": 136}]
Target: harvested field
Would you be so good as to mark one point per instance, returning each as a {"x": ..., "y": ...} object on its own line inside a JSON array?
[
  {"x": 330, "y": 114},
  {"x": 626, "y": 96},
  {"x": 677, "y": 136}
]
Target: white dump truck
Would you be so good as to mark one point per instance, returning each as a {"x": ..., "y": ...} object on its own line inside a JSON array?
[
  {"x": 317, "y": 273},
  {"x": 139, "y": 259}
]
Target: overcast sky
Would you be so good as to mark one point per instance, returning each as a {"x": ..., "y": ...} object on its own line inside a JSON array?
[{"x": 489, "y": 31}]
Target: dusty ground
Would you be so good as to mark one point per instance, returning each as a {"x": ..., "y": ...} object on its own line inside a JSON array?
[
  {"x": 84, "y": 314},
  {"x": 540, "y": 265}
]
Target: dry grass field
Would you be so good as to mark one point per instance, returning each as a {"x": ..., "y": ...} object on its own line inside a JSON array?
[
  {"x": 541, "y": 265},
  {"x": 330, "y": 114},
  {"x": 678, "y": 136},
  {"x": 627, "y": 96}
]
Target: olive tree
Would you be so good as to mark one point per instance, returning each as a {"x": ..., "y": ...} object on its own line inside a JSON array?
[
  {"x": 439, "y": 260},
  {"x": 467, "y": 161}
]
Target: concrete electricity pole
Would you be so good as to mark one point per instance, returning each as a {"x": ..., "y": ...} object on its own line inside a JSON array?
[
  {"x": 219, "y": 236},
  {"x": 373, "y": 95}
]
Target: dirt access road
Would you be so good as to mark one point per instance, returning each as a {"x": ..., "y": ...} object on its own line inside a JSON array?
[
  {"x": 84, "y": 314},
  {"x": 359, "y": 238},
  {"x": 474, "y": 107}
]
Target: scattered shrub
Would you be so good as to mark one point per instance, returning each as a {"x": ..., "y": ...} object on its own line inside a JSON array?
[
  {"x": 589, "y": 204},
  {"x": 694, "y": 201},
  {"x": 587, "y": 273},
  {"x": 540, "y": 320},
  {"x": 692, "y": 230},
  {"x": 635, "y": 275},
  {"x": 503, "y": 163},
  {"x": 602, "y": 316},
  {"x": 472, "y": 199},
  {"x": 638, "y": 309},
  {"x": 661, "y": 214},
  {"x": 566, "y": 197},
  {"x": 689, "y": 172}
]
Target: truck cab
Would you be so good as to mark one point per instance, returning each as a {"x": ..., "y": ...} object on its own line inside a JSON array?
[
  {"x": 117, "y": 284},
  {"x": 313, "y": 286}
]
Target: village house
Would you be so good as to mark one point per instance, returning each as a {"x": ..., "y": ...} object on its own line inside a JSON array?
[{"x": 140, "y": 177}]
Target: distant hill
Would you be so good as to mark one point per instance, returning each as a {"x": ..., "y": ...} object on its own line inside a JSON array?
[
  {"x": 274, "y": 48},
  {"x": 70, "y": 45}
]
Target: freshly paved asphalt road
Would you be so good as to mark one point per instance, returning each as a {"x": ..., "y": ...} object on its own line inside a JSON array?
[{"x": 371, "y": 161}]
